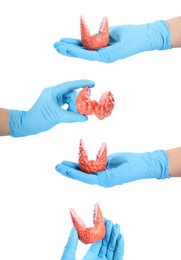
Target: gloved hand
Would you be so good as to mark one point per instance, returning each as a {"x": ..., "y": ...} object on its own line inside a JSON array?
[
  {"x": 111, "y": 247},
  {"x": 124, "y": 41},
  {"x": 121, "y": 168},
  {"x": 47, "y": 111}
]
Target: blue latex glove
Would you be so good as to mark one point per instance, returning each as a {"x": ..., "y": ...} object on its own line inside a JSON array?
[
  {"x": 47, "y": 111},
  {"x": 111, "y": 247},
  {"x": 124, "y": 41},
  {"x": 121, "y": 168}
]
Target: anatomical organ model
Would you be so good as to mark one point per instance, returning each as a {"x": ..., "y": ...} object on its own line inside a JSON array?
[
  {"x": 94, "y": 42},
  {"x": 92, "y": 166},
  {"x": 101, "y": 109},
  {"x": 91, "y": 234}
]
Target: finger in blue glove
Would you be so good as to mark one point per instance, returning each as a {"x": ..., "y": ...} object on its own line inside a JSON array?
[{"x": 71, "y": 246}]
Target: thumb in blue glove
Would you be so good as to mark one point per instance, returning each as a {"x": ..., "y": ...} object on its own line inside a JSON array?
[
  {"x": 71, "y": 246},
  {"x": 124, "y": 41},
  {"x": 121, "y": 168},
  {"x": 47, "y": 110}
]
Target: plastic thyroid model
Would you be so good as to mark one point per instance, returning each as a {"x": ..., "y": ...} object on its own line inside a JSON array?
[
  {"x": 101, "y": 109},
  {"x": 94, "y": 42},
  {"x": 91, "y": 234},
  {"x": 92, "y": 166}
]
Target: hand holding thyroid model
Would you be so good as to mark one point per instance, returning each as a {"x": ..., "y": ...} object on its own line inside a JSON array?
[
  {"x": 110, "y": 247},
  {"x": 48, "y": 111},
  {"x": 125, "y": 41},
  {"x": 121, "y": 168}
]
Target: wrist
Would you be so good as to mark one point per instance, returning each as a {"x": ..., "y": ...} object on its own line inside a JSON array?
[
  {"x": 4, "y": 126},
  {"x": 174, "y": 26},
  {"x": 174, "y": 159}
]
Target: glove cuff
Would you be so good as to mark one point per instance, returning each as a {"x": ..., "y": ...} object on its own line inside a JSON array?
[
  {"x": 161, "y": 169},
  {"x": 15, "y": 123},
  {"x": 159, "y": 35}
]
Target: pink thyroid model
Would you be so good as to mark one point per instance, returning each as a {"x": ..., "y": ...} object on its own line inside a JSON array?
[
  {"x": 91, "y": 234},
  {"x": 92, "y": 166},
  {"x": 101, "y": 109},
  {"x": 94, "y": 42}
]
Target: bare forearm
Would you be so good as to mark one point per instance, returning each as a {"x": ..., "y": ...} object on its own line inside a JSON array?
[
  {"x": 4, "y": 126},
  {"x": 174, "y": 159},
  {"x": 174, "y": 25}
]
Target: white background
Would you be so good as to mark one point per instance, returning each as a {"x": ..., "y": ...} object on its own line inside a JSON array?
[{"x": 34, "y": 198}]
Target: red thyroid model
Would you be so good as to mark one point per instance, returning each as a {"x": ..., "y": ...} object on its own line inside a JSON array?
[
  {"x": 91, "y": 234},
  {"x": 92, "y": 166},
  {"x": 101, "y": 109},
  {"x": 94, "y": 42}
]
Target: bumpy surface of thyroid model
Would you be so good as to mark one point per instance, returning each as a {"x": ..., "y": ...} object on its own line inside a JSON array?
[
  {"x": 101, "y": 109},
  {"x": 91, "y": 234},
  {"x": 92, "y": 166},
  {"x": 94, "y": 42}
]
